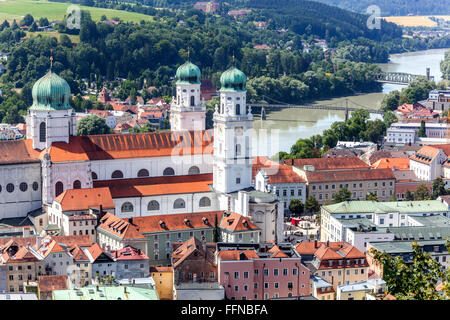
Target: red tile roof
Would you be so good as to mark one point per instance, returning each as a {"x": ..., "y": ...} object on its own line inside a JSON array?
[
  {"x": 50, "y": 283},
  {"x": 276, "y": 173},
  {"x": 119, "y": 227},
  {"x": 135, "y": 145},
  {"x": 329, "y": 164},
  {"x": 137, "y": 187},
  {"x": 129, "y": 253},
  {"x": 81, "y": 240},
  {"x": 18, "y": 151},
  {"x": 231, "y": 255},
  {"x": 178, "y": 221},
  {"x": 83, "y": 199},
  {"x": 390, "y": 163},
  {"x": 330, "y": 250},
  {"x": 352, "y": 175},
  {"x": 236, "y": 222},
  {"x": 426, "y": 154},
  {"x": 78, "y": 254},
  {"x": 95, "y": 251},
  {"x": 187, "y": 248}
]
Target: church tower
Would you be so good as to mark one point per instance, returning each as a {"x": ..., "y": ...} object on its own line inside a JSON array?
[
  {"x": 233, "y": 126},
  {"x": 50, "y": 118},
  {"x": 187, "y": 112}
]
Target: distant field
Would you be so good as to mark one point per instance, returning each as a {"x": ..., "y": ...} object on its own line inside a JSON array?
[
  {"x": 16, "y": 9},
  {"x": 414, "y": 21},
  {"x": 56, "y": 34}
]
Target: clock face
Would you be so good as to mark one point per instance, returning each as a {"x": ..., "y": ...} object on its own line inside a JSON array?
[{"x": 238, "y": 131}]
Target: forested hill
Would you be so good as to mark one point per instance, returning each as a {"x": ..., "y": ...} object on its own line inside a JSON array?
[
  {"x": 326, "y": 21},
  {"x": 395, "y": 7}
]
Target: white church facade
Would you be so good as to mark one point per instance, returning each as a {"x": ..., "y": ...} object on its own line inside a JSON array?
[{"x": 187, "y": 170}]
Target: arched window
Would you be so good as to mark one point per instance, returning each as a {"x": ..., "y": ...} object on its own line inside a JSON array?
[
  {"x": 192, "y": 101},
  {"x": 23, "y": 186},
  {"x": 59, "y": 188},
  {"x": 42, "y": 132},
  {"x": 205, "y": 202},
  {"x": 168, "y": 172},
  {"x": 238, "y": 149},
  {"x": 194, "y": 170},
  {"x": 153, "y": 205},
  {"x": 143, "y": 173},
  {"x": 77, "y": 184},
  {"x": 94, "y": 176},
  {"x": 117, "y": 174},
  {"x": 179, "y": 203},
  {"x": 238, "y": 109},
  {"x": 127, "y": 207}
]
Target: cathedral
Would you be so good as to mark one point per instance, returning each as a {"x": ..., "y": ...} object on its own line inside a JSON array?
[{"x": 187, "y": 170}]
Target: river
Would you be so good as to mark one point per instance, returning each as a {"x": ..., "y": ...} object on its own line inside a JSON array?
[{"x": 282, "y": 128}]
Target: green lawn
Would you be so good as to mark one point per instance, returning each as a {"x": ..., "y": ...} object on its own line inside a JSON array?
[
  {"x": 56, "y": 34},
  {"x": 16, "y": 9}
]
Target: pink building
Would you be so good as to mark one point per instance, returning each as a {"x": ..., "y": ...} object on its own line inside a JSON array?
[{"x": 257, "y": 272}]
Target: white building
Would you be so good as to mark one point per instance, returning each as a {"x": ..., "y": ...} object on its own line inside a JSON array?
[{"x": 400, "y": 135}]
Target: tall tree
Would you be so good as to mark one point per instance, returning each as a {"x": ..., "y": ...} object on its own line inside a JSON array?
[
  {"x": 296, "y": 207},
  {"x": 422, "y": 192},
  {"x": 342, "y": 195},
  {"x": 422, "y": 132},
  {"x": 438, "y": 188},
  {"x": 92, "y": 124},
  {"x": 371, "y": 197},
  {"x": 312, "y": 205}
]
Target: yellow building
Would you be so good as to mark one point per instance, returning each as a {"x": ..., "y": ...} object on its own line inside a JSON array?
[
  {"x": 163, "y": 277},
  {"x": 81, "y": 274}
]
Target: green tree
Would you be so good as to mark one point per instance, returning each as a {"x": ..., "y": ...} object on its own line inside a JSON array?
[
  {"x": 312, "y": 205},
  {"x": 296, "y": 207},
  {"x": 422, "y": 192},
  {"x": 216, "y": 232},
  {"x": 91, "y": 125},
  {"x": 393, "y": 197},
  {"x": 342, "y": 195},
  {"x": 415, "y": 280},
  {"x": 438, "y": 188},
  {"x": 409, "y": 196},
  {"x": 27, "y": 20},
  {"x": 421, "y": 133},
  {"x": 371, "y": 197}
]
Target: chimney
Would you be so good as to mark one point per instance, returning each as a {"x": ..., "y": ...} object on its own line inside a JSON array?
[
  {"x": 332, "y": 280},
  {"x": 315, "y": 244},
  {"x": 134, "y": 282},
  {"x": 194, "y": 277},
  {"x": 97, "y": 288},
  {"x": 125, "y": 289},
  {"x": 328, "y": 243}
]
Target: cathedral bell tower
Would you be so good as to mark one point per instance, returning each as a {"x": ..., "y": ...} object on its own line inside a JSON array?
[
  {"x": 50, "y": 118},
  {"x": 187, "y": 112},
  {"x": 233, "y": 126}
]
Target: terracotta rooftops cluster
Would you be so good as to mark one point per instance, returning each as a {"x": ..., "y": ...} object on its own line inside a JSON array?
[
  {"x": 129, "y": 253},
  {"x": 328, "y": 164},
  {"x": 235, "y": 222},
  {"x": 276, "y": 173},
  {"x": 329, "y": 250},
  {"x": 83, "y": 199}
]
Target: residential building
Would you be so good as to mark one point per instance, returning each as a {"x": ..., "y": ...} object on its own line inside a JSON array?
[
  {"x": 163, "y": 277},
  {"x": 46, "y": 285},
  {"x": 261, "y": 271},
  {"x": 361, "y": 290},
  {"x": 56, "y": 256},
  {"x": 270, "y": 176},
  {"x": 131, "y": 263},
  {"x": 427, "y": 163},
  {"x": 235, "y": 228},
  {"x": 321, "y": 289},
  {"x": 337, "y": 263},
  {"x": 81, "y": 274},
  {"x": 102, "y": 264}
]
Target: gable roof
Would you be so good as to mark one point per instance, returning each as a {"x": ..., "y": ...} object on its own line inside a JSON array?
[
  {"x": 54, "y": 282},
  {"x": 231, "y": 255},
  {"x": 236, "y": 222},
  {"x": 133, "y": 145},
  {"x": 349, "y": 175},
  {"x": 391, "y": 163},
  {"x": 328, "y": 164},
  {"x": 18, "y": 151},
  {"x": 276, "y": 173},
  {"x": 119, "y": 227},
  {"x": 78, "y": 254},
  {"x": 129, "y": 253},
  {"x": 426, "y": 154},
  {"x": 83, "y": 199},
  {"x": 136, "y": 187},
  {"x": 177, "y": 221},
  {"x": 187, "y": 248}
]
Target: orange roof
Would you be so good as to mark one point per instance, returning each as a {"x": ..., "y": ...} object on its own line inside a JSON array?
[
  {"x": 325, "y": 252},
  {"x": 133, "y": 145},
  {"x": 351, "y": 175},
  {"x": 391, "y": 163},
  {"x": 425, "y": 154},
  {"x": 276, "y": 173},
  {"x": 187, "y": 248},
  {"x": 119, "y": 227},
  {"x": 50, "y": 283},
  {"x": 95, "y": 251},
  {"x": 178, "y": 221},
  {"x": 129, "y": 253},
  {"x": 78, "y": 254},
  {"x": 83, "y": 199},
  {"x": 328, "y": 164},
  {"x": 236, "y": 222},
  {"x": 136, "y": 187},
  {"x": 277, "y": 252},
  {"x": 330, "y": 250},
  {"x": 230, "y": 255},
  {"x": 161, "y": 269},
  {"x": 18, "y": 151}
]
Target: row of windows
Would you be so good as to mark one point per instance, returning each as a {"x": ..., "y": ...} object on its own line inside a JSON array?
[
  {"x": 81, "y": 232},
  {"x": 23, "y": 186},
  {"x": 340, "y": 272},
  {"x": 299, "y": 192},
  {"x": 276, "y": 285},
  {"x": 154, "y": 205},
  {"x": 117, "y": 174},
  {"x": 59, "y": 187},
  {"x": 355, "y": 185},
  {"x": 266, "y": 273}
]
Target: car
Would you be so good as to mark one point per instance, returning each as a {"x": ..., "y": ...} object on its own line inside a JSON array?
[{"x": 298, "y": 233}]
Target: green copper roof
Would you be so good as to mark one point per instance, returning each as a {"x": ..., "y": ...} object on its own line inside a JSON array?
[
  {"x": 51, "y": 92},
  {"x": 106, "y": 293},
  {"x": 349, "y": 207},
  {"x": 188, "y": 73},
  {"x": 233, "y": 80}
]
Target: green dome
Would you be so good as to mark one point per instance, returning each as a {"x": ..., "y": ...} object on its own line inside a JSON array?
[
  {"x": 233, "y": 80},
  {"x": 188, "y": 73},
  {"x": 51, "y": 92}
]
